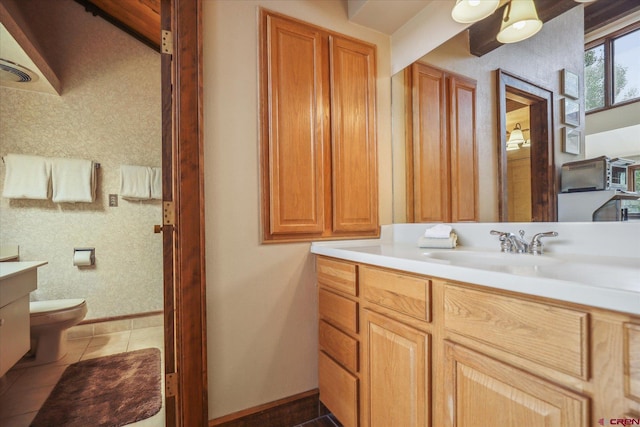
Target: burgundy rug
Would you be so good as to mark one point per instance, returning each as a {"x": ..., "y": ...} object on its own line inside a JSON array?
[{"x": 107, "y": 391}]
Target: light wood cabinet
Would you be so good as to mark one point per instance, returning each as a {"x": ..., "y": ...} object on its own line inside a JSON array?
[
  {"x": 396, "y": 373},
  {"x": 423, "y": 351},
  {"x": 318, "y": 133},
  {"x": 441, "y": 146},
  {"x": 482, "y": 391},
  {"x": 339, "y": 339},
  {"x": 632, "y": 360}
]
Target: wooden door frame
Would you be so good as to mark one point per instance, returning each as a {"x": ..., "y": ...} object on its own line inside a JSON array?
[
  {"x": 184, "y": 242},
  {"x": 543, "y": 182}
]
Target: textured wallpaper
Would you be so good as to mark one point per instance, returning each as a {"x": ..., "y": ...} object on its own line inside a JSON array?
[{"x": 109, "y": 112}]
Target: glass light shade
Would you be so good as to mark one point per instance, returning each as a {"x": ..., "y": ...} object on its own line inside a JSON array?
[
  {"x": 520, "y": 21},
  {"x": 469, "y": 11},
  {"x": 515, "y": 138}
]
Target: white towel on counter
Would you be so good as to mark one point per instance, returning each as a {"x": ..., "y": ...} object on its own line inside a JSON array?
[
  {"x": 438, "y": 231},
  {"x": 73, "y": 180},
  {"x": 438, "y": 243},
  {"x": 26, "y": 177},
  {"x": 135, "y": 182},
  {"x": 156, "y": 183}
]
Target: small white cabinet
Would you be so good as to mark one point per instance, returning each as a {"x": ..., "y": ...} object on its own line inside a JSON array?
[{"x": 17, "y": 280}]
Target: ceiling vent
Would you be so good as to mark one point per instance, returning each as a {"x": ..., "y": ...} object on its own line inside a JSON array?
[{"x": 10, "y": 71}]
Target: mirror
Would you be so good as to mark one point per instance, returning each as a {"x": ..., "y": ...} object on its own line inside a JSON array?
[{"x": 539, "y": 61}]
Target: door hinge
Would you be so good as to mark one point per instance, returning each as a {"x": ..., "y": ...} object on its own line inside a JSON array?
[
  {"x": 167, "y": 42},
  {"x": 171, "y": 384},
  {"x": 168, "y": 213}
]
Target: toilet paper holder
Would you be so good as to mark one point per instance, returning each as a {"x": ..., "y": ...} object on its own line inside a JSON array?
[{"x": 84, "y": 257}]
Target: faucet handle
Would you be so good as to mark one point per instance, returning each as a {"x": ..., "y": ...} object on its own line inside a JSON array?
[
  {"x": 505, "y": 244},
  {"x": 536, "y": 246}
]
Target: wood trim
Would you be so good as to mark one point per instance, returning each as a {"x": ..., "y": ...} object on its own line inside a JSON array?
[
  {"x": 189, "y": 257},
  {"x": 292, "y": 410},
  {"x": 543, "y": 176},
  {"x": 171, "y": 408}
]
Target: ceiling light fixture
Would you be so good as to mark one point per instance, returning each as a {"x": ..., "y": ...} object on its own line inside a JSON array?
[
  {"x": 469, "y": 11},
  {"x": 515, "y": 138},
  {"x": 520, "y": 21}
]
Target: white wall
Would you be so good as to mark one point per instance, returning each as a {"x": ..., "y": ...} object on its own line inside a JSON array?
[
  {"x": 109, "y": 112},
  {"x": 261, "y": 299}
]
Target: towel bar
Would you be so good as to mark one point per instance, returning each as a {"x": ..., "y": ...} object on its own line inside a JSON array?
[{"x": 96, "y": 165}]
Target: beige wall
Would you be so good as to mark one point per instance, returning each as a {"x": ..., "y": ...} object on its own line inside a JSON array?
[
  {"x": 109, "y": 112},
  {"x": 540, "y": 59},
  {"x": 262, "y": 304}
]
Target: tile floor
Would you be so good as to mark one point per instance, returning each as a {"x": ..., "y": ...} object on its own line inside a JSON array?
[
  {"x": 325, "y": 421},
  {"x": 25, "y": 388}
]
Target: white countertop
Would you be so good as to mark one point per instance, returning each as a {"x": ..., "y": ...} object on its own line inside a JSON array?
[
  {"x": 9, "y": 269},
  {"x": 609, "y": 282}
]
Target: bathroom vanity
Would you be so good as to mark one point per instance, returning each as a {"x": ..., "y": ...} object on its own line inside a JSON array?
[
  {"x": 17, "y": 280},
  {"x": 472, "y": 336}
]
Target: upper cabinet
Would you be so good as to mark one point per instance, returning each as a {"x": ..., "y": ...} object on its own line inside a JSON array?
[
  {"x": 441, "y": 146},
  {"x": 318, "y": 133}
]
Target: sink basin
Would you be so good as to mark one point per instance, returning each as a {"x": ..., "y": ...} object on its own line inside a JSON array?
[{"x": 489, "y": 259}]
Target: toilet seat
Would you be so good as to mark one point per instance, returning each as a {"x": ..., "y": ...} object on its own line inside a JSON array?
[
  {"x": 43, "y": 308},
  {"x": 61, "y": 312}
]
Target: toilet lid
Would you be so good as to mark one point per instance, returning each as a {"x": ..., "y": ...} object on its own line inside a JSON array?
[{"x": 42, "y": 307}]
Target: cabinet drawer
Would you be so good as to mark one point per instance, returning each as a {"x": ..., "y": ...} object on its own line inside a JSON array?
[
  {"x": 338, "y": 391},
  {"x": 339, "y": 345},
  {"x": 403, "y": 293},
  {"x": 339, "y": 311},
  {"x": 632, "y": 360},
  {"x": 338, "y": 275},
  {"x": 548, "y": 335}
]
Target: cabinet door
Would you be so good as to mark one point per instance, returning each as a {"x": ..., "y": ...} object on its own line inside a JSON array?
[
  {"x": 353, "y": 136},
  {"x": 294, "y": 91},
  {"x": 462, "y": 141},
  {"x": 483, "y": 391},
  {"x": 395, "y": 374},
  {"x": 430, "y": 147}
]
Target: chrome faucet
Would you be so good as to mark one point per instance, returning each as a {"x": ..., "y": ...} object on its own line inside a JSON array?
[{"x": 511, "y": 243}]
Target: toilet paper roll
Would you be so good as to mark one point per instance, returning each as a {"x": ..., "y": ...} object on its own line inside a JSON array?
[{"x": 82, "y": 258}]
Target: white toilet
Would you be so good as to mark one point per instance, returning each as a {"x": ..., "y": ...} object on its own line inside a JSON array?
[{"x": 49, "y": 323}]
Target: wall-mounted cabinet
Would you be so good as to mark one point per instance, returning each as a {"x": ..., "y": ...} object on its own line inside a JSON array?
[
  {"x": 442, "y": 182},
  {"x": 318, "y": 133}
]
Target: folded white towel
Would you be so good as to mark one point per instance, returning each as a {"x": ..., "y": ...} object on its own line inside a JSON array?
[
  {"x": 135, "y": 182},
  {"x": 73, "y": 180},
  {"x": 156, "y": 183},
  {"x": 448, "y": 243},
  {"x": 26, "y": 177},
  {"x": 438, "y": 231}
]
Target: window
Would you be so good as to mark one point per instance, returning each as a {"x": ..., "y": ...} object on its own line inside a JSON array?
[{"x": 612, "y": 69}]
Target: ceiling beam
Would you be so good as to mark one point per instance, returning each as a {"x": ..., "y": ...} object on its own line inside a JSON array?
[
  {"x": 601, "y": 13},
  {"x": 482, "y": 34}
]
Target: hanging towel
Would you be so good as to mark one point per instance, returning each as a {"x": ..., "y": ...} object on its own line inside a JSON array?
[
  {"x": 449, "y": 243},
  {"x": 438, "y": 231},
  {"x": 135, "y": 182},
  {"x": 73, "y": 180},
  {"x": 26, "y": 177},
  {"x": 156, "y": 183}
]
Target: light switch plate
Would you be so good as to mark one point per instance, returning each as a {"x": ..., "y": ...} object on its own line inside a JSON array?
[{"x": 113, "y": 200}]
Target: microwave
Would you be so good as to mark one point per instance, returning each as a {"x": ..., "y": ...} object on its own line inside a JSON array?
[{"x": 600, "y": 173}]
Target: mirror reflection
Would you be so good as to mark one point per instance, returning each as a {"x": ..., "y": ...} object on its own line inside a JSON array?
[{"x": 512, "y": 184}]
